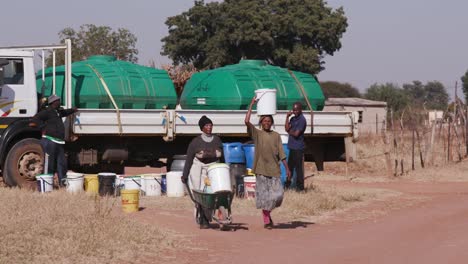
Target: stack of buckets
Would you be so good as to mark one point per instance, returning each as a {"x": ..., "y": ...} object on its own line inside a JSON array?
[{"x": 234, "y": 156}]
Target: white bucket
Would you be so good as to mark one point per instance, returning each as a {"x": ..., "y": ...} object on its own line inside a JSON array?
[
  {"x": 220, "y": 178},
  {"x": 175, "y": 187},
  {"x": 249, "y": 186},
  {"x": 284, "y": 139},
  {"x": 45, "y": 182},
  {"x": 132, "y": 183},
  {"x": 151, "y": 184},
  {"x": 74, "y": 182},
  {"x": 266, "y": 104}
]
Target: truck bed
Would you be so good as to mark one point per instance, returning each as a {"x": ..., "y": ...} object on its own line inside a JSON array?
[{"x": 169, "y": 123}]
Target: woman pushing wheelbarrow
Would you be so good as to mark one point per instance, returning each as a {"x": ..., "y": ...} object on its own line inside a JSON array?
[{"x": 204, "y": 151}]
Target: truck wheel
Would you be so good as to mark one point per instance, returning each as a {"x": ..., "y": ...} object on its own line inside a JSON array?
[{"x": 24, "y": 161}]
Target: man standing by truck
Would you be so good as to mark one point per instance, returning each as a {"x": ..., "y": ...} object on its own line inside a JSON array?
[
  {"x": 50, "y": 122},
  {"x": 295, "y": 127}
]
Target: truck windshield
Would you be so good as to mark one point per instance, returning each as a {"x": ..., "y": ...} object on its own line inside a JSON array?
[{"x": 13, "y": 72}]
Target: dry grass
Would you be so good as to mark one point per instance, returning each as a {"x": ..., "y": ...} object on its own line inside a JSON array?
[
  {"x": 63, "y": 228},
  {"x": 318, "y": 200}
]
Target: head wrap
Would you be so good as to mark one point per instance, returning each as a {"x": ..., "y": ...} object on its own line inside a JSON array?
[
  {"x": 204, "y": 121},
  {"x": 52, "y": 99}
]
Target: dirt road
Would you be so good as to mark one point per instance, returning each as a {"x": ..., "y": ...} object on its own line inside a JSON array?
[{"x": 431, "y": 230}]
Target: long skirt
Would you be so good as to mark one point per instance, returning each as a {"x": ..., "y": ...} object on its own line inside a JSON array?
[{"x": 269, "y": 192}]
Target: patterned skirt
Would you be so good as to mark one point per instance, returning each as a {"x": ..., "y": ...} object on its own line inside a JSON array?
[{"x": 269, "y": 192}]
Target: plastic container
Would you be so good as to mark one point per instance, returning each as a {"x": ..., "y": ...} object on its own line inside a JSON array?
[
  {"x": 91, "y": 184},
  {"x": 249, "y": 151},
  {"x": 266, "y": 104},
  {"x": 282, "y": 168},
  {"x": 132, "y": 183},
  {"x": 132, "y": 86},
  {"x": 178, "y": 162},
  {"x": 250, "y": 186},
  {"x": 130, "y": 200},
  {"x": 45, "y": 182},
  {"x": 106, "y": 183},
  {"x": 175, "y": 187},
  {"x": 233, "y": 152},
  {"x": 151, "y": 184},
  {"x": 232, "y": 87},
  {"x": 220, "y": 178},
  {"x": 74, "y": 182}
]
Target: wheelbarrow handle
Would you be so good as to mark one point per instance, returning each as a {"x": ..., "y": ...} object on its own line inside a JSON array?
[{"x": 190, "y": 192}]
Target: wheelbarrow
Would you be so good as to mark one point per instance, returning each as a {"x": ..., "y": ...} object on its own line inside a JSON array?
[{"x": 219, "y": 203}]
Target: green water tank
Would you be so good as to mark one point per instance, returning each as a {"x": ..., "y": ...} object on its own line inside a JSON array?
[
  {"x": 232, "y": 87},
  {"x": 132, "y": 86}
]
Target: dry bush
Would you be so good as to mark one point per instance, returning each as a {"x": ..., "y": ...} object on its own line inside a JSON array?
[
  {"x": 59, "y": 227},
  {"x": 180, "y": 75}
]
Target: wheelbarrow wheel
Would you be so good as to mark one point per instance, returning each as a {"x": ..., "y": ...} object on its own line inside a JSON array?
[{"x": 196, "y": 214}]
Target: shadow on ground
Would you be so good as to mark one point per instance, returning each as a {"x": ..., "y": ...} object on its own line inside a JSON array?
[{"x": 293, "y": 225}]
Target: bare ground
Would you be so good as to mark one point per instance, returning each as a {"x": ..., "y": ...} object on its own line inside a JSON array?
[{"x": 420, "y": 219}]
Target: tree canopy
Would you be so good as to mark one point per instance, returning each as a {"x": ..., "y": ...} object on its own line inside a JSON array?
[
  {"x": 391, "y": 93},
  {"x": 332, "y": 89},
  {"x": 98, "y": 40},
  {"x": 464, "y": 80},
  {"x": 292, "y": 34},
  {"x": 432, "y": 95}
]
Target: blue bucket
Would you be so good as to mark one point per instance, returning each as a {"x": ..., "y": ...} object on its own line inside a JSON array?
[
  {"x": 233, "y": 152},
  {"x": 249, "y": 150}
]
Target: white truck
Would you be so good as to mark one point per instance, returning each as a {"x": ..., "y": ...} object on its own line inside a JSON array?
[{"x": 109, "y": 139}]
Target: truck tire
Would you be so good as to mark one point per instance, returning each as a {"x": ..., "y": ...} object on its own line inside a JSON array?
[{"x": 24, "y": 161}]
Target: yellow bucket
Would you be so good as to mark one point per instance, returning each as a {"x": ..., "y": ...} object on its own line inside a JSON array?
[
  {"x": 91, "y": 183},
  {"x": 130, "y": 200}
]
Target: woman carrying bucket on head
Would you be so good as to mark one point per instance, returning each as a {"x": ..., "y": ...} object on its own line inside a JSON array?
[
  {"x": 202, "y": 152},
  {"x": 268, "y": 153}
]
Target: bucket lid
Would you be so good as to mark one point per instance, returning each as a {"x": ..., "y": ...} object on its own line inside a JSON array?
[
  {"x": 74, "y": 175},
  {"x": 250, "y": 179},
  {"x": 44, "y": 176},
  {"x": 218, "y": 165},
  {"x": 106, "y": 174},
  {"x": 265, "y": 90},
  {"x": 151, "y": 176},
  {"x": 131, "y": 177}
]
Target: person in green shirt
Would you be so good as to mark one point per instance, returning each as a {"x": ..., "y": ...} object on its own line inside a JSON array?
[{"x": 268, "y": 155}]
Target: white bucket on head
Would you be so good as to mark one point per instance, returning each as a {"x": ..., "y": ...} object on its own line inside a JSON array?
[
  {"x": 45, "y": 182},
  {"x": 132, "y": 183},
  {"x": 249, "y": 186},
  {"x": 220, "y": 177},
  {"x": 266, "y": 104},
  {"x": 151, "y": 184},
  {"x": 74, "y": 182},
  {"x": 175, "y": 187}
]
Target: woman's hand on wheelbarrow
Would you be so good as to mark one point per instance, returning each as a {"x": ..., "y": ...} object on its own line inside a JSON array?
[{"x": 184, "y": 179}]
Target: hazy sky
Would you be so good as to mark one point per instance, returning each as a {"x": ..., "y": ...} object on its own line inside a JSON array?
[{"x": 387, "y": 40}]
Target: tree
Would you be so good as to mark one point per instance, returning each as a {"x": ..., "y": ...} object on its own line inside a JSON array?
[
  {"x": 98, "y": 40},
  {"x": 292, "y": 34},
  {"x": 432, "y": 95},
  {"x": 436, "y": 96},
  {"x": 464, "y": 80},
  {"x": 395, "y": 97},
  {"x": 415, "y": 92},
  {"x": 333, "y": 89}
]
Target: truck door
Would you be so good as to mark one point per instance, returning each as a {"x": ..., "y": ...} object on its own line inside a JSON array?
[{"x": 17, "y": 89}]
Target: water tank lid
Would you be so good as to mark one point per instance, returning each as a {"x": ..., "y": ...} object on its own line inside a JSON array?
[
  {"x": 253, "y": 62},
  {"x": 108, "y": 58}
]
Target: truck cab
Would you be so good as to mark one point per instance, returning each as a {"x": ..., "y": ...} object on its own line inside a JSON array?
[{"x": 18, "y": 96}]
